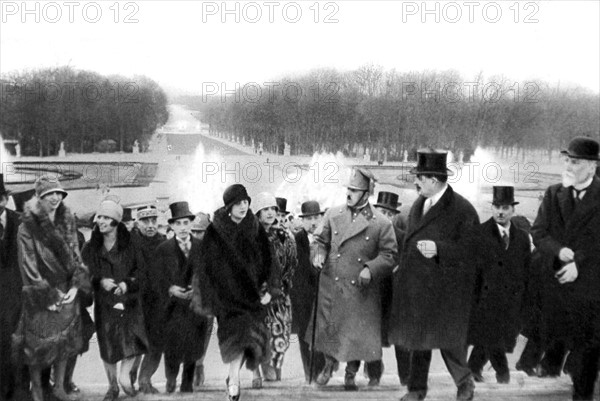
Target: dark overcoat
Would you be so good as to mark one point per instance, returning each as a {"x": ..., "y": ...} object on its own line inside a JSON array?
[
  {"x": 304, "y": 286},
  {"x": 432, "y": 297},
  {"x": 152, "y": 298},
  {"x": 571, "y": 311},
  {"x": 349, "y": 318},
  {"x": 121, "y": 333},
  {"x": 184, "y": 331},
  {"x": 500, "y": 286},
  {"x": 11, "y": 286}
]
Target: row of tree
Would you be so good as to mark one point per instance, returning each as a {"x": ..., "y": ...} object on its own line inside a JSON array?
[
  {"x": 85, "y": 110},
  {"x": 389, "y": 112}
]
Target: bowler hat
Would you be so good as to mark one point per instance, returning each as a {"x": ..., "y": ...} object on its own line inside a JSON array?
[
  {"x": 3, "y": 190},
  {"x": 234, "y": 194},
  {"x": 282, "y": 204},
  {"x": 361, "y": 179},
  {"x": 504, "y": 195},
  {"x": 201, "y": 223},
  {"x": 431, "y": 162},
  {"x": 145, "y": 212},
  {"x": 45, "y": 185},
  {"x": 582, "y": 148},
  {"x": 19, "y": 198},
  {"x": 388, "y": 200},
  {"x": 180, "y": 210},
  {"x": 310, "y": 208}
]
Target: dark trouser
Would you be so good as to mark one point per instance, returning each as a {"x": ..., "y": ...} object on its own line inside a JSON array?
[
  {"x": 172, "y": 370},
  {"x": 150, "y": 366},
  {"x": 554, "y": 357},
  {"x": 374, "y": 369},
  {"x": 480, "y": 355},
  {"x": 403, "y": 363},
  {"x": 584, "y": 371},
  {"x": 318, "y": 363},
  {"x": 532, "y": 354},
  {"x": 455, "y": 360},
  {"x": 15, "y": 382}
]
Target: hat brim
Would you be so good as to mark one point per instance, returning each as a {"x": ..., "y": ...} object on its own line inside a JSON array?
[
  {"x": 447, "y": 173},
  {"x": 357, "y": 188},
  {"x": 60, "y": 190},
  {"x": 387, "y": 207},
  {"x": 504, "y": 204},
  {"x": 572, "y": 156},
  {"x": 190, "y": 216},
  {"x": 310, "y": 214}
]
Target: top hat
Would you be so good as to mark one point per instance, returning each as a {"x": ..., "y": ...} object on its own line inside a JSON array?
[
  {"x": 282, "y": 204},
  {"x": 582, "y": 148},
  {"x": 145, "y": 212},
  {"x": 431, "y": 162},
  {"x": 179, "y": 210},
  {"x": 504, "y": 195},
  {"x": 3, "y": 190},
  {"x": 127, "y": 215},
  {"x": 19, "y": 198},
  {"x": 361, "y": 179},
  {"x": 310, "y": 208},
  {"x": 388, "y": 200}
]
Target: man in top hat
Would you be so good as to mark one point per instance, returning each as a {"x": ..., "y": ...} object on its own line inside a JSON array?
[
  {"x": 503, "y": 257},
  {"x": 11, "y": 285},
  {"x": 356, "y": 248},
  {"x": 434, "y": 283},
  {"x": 304, "y": 286},
  {"x": 148, "y": 238},
  {"x": 566, "y": 232},
  {"x": 174, "y": 262},
  {"x": 283, "y": 216},
  {"x": 128, "y": 218}
]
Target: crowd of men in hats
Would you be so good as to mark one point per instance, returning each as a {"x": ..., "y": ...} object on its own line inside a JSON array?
[{"x": 348, "y": 281}]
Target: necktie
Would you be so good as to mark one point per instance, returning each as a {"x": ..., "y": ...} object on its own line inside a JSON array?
[
  {"x": 185, "y": 248},
  {"x": 578, "y": 194},
  {"x": 427, "y": 205},
  {"x": 506, "y": 239}
]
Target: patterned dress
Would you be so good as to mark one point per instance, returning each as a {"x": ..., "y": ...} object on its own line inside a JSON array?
[{"x": 279, "y": 311}]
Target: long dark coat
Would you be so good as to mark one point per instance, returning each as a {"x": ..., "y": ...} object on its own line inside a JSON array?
[
  {"x": 149, "y": 278},
  {"x": 50, "y": 265},
  {"x": 11, "y": 286},
  {"x": 235, "y": 266},
  {"x": 432, "y": 297},
  {"x": 121, "y": 333},
  {"x": 348, "y": 317},
  {"x": 304, "y": 285},
  {"x": 500, "y": 289},
  {"x": 571, "y": 312},
  {"x": 184, "y": 331}
]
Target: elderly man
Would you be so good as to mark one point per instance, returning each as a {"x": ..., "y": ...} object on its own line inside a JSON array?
[
  {"x": 567, "y": 232},
  {"x": 434, "y": 284},
  {"x": 357, "y": 248}
]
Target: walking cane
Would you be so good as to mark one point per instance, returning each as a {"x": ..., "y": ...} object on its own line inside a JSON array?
[{"x": 314, "y": 331}]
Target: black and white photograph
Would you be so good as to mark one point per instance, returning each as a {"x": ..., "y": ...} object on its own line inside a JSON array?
[{"x": 303, "y": 200}]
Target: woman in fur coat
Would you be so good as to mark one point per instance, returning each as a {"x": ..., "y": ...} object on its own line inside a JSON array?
[
  {"x": 53, "y": 276},
  {"x": 233, "y": 277},
  {"x": 113, "y": 260},
  {"x": 279, "y": 311}
]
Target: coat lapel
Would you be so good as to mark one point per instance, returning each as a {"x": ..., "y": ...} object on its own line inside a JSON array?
[
  {"x": 565, "y": 203},
  {"x": 347, "y": 227},
  {"x": 417, "y": 222},
  {"x": 590, "y": 201}
]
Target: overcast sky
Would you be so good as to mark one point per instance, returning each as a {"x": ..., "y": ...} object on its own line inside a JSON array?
[{"x": 183, "y": 44}]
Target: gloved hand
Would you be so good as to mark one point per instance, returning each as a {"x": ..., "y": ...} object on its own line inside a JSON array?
[{"x": 364, "y": 278}]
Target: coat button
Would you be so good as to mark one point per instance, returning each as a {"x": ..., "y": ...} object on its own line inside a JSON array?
[
  {"x": 337, "y": 279},
  {"x": 335, "y": 232},
  {"x": 367, "y": 238},
  {"x": 339, "y": 255},
  {"x": 353, "y": 282},
  {"x": 359, "y": 259}
]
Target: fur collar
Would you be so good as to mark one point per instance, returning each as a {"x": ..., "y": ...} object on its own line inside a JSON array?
[
  {"x": 59, "y": 236},
  {"x": 123, "y": 238},
  {"x": 229, "y": 230}
]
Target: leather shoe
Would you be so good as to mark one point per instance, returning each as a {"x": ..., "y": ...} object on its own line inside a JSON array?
[
  {"x": 171, "y": 384},
  {"x": 466, "y": 391},
  {"x": 478, "y": 377},
  {"x": 503, "y": 378},
  {"x": 186, "y": 388},
  {"x": 148, "y": 388},
  {"x": 414, "y": 396},
  {"x": 373, "y": 382},
  {"x": 349, "y": 383},
  {"x": 112, "y": 394},
  {"x": 325, "y": 375},
  {"x": 529, "y": 371}
]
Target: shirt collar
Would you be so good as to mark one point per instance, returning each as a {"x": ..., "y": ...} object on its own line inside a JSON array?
[
  {"x": 435, "y": 198},
  {"x": 585, "y": 185},
  {"x": 3, "y": 218},
  {"x": 504, "y": 229},
  {"x": 183, "y": 242}
]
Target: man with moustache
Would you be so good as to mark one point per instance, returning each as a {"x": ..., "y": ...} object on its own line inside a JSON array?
[
  {"x": 356, "y": 249},
  {"x": 434, "y": 283},
  {"x": 501, "y": 282},
  {"x": 567, "y": 232},
  {"x": 148, "y": 239},
  {"x": 304, "y": 287}
]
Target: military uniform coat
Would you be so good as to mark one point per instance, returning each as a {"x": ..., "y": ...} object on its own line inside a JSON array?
[
  {"x": 571, "y": 311},
  {"x": 349, "y": 318},
  {"x": 501, "y": 283},
  {"x": 432, "y": 297},
  {"x": 184, "y": 331}
]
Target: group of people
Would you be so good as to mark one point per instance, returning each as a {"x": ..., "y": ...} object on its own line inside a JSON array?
[{"x": 348, "y": 281}]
